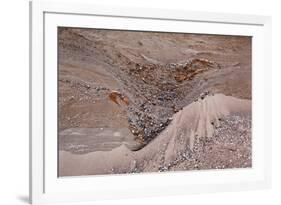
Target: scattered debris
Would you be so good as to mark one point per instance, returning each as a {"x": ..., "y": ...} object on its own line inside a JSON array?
[{"x": 204, "y": 94}]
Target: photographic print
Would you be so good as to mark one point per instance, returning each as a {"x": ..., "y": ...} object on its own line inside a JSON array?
[{"x": 141, "y": 101}]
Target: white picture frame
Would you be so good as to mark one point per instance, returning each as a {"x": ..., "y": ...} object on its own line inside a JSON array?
[{"x": 46, "y": 187}]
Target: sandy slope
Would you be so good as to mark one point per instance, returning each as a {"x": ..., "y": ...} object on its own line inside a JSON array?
[
  {"x": 158, "y": 73},
  {"x": 199, "y": 120}
]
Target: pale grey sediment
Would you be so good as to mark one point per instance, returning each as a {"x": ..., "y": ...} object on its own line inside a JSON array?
[{"x": 197, "y": 121}]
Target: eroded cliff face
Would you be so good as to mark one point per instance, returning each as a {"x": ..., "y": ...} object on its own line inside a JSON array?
[
  {"x": 121, "y": 89},
  {"x": 219, "y": 125},
  {"x": 156, "y": 73}
]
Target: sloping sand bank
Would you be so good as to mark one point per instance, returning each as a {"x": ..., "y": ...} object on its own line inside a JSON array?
[{"x": 194, "y": 122}]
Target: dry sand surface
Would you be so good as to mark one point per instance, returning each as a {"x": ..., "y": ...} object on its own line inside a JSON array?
[{"x": 132, "y": 102}]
